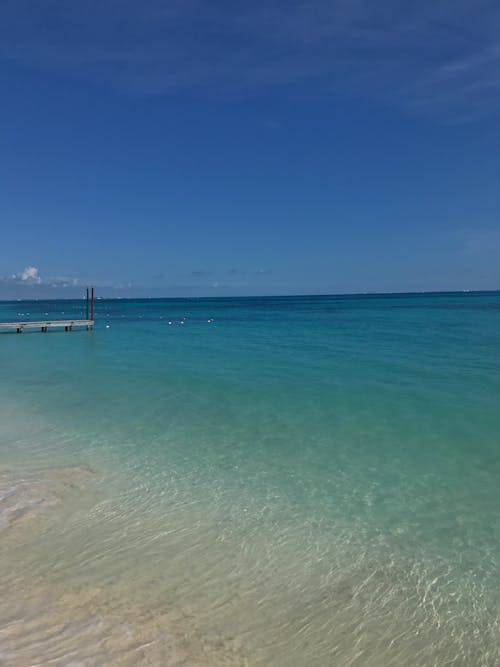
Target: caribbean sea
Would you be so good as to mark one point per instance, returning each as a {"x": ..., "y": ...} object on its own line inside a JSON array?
[{"x": 286, "y": 481}]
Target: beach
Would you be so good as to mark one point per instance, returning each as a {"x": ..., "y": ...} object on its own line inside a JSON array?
[{"x": 270, "y": 481}]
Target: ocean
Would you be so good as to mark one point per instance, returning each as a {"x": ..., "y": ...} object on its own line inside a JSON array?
[{"x": 287, "y": 481}]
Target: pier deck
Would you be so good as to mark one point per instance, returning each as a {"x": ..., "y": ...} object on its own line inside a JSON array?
[{"x": 68, "y": 325}]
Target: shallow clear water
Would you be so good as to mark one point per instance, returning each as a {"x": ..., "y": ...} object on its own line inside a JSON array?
[{"x": 301, "y": 481}]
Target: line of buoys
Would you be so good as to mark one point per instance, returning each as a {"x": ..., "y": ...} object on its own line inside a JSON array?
[{"x": 183, "y": 321}]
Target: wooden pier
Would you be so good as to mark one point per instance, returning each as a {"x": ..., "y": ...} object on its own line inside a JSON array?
[
  {"x": 67, "y": 325},
  {"x": 46, "y": 325}
]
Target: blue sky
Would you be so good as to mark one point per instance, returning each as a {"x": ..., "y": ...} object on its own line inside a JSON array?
[{"x": 215, "y": 148}]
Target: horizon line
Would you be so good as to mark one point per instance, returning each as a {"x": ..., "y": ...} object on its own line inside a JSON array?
[{"x": 261, "y": 296}]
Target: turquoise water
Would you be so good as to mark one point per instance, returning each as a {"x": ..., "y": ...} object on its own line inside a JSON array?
[{"x": 282, "y": 481}]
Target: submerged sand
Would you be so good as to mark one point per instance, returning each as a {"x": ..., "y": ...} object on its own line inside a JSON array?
[
  {"x": 71, "y": 623},
  {"x": 24, "y": 494},
  {"x": 93, "y": 627},
  {"x": 89, "y": 577}
]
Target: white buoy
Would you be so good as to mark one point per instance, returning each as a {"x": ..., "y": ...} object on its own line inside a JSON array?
[{"x": 107, "y": 326}]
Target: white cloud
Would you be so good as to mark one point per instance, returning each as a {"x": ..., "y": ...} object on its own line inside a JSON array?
[
  {"x": 30, "y": 283},
  {"x": 30, "y": 275}
]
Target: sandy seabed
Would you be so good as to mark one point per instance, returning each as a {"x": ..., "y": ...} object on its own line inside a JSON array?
[
  {"x": 74, "y": 624},
  {"x": 85, "y": 582}
]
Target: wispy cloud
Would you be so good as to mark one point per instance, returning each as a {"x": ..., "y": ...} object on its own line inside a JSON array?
[
  {"x": 433, "y": 57},
  {"x": 201, "y": 273},
  {"x": 467, "y": 85}
]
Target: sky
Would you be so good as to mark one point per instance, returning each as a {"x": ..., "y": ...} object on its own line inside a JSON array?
[{"x": 195, "y": 148}]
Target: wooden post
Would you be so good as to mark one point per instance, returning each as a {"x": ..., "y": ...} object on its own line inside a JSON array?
[
  {"x": 87, "y": 305},
  {"x": 92, "y": 306}
]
